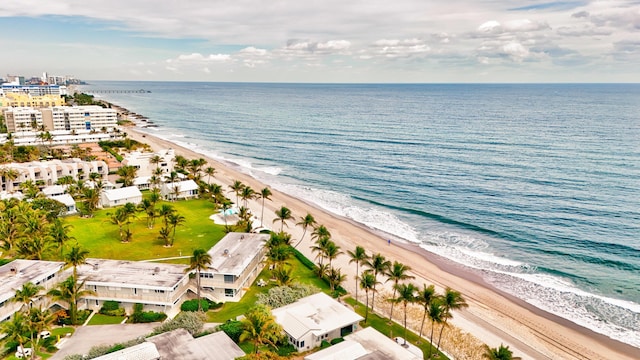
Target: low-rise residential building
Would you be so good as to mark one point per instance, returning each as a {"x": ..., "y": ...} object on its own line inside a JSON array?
[
  {"x": 236, "y": 261},
  {"x": 17, "y": 273},
  {"x": 179, "y": 344},
  {"x": 47, "y": 173},
  {"x": 143, "y": 351},
  {"x": 26, "y": 100},
  {"x": 143, "y": 162},
  {"x": 365, "y": 344},
  {"x": 310, "y": 320},
  {"x": 159, "y": 287},
  {"x": 186, "y": 189},
  {"x": 67, "y": 201},
  {"x": 121, "y": 196}
]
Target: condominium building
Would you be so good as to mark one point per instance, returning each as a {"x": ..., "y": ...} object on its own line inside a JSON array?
[
  {"x": 61, "y": 118},
  {"x": 159, "y": 287},
  {"x": 17, "y": 273},
  {"x": 34, "y": 90},
  {"x": 46, "y": 173},
  {"x": 26, "y": 100},
  {"x": 236, "y": 261}
]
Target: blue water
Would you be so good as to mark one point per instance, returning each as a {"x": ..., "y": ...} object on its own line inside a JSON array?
[{"x": 535, "y": 186}]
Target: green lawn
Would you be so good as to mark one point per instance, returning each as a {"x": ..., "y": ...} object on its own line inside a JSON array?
[
  {"x": 101, "y": 238},
  {"x": 393, "y": 330},
  {"x": 100, "y": 319}
]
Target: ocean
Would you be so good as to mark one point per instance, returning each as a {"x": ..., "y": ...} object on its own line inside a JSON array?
[{"x": 534, "y": 186}]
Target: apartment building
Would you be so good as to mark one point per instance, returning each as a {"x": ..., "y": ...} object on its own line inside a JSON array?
[
  {"x": 34, "y": 90},
  {"x": 159, "y": 287},
  {"x": 47, "y": 173},
  {"x": 236, "y": 261},
  {"x": 17, "y": 273},
  {"x": 61, "y": 118},
  {"x": 26, "y": 100},
  {"x": 142, "y": 162}
]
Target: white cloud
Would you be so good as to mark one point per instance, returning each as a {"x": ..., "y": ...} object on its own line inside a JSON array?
[
  {"x": 516, "y": 51},
  {"x": 201, "y": 58}
]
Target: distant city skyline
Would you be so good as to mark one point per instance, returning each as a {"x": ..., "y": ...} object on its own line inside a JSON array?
[{"x": 326, "y": 41}]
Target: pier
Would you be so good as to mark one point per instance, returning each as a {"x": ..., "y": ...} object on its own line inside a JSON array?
[{"x": 139, "y": 91}]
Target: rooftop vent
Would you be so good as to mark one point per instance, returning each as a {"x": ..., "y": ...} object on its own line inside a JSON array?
[
  {"x": 14, "y": 271},
  {"x": 226, "y": 252},
  {"x": 156, "y": 270}
]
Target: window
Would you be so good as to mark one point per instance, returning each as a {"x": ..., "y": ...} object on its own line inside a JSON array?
[
  {"x": 206, "y": 275},
  {"x": 229, "y": 279},
  {"x": 301, "y": 344},
  {"x": 229, "y": 292},
  {"x": 158, "y": 291}
]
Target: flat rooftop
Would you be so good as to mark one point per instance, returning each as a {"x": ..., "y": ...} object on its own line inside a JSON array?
[
  {"x": 122, "y": 273},
  {"x": 233, "y": 253},
  {"x": 18, "y": 272}
]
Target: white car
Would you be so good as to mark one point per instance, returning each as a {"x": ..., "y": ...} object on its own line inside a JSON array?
[
  {"x": 45, "y": 334},
  {"x": 22, "y": 352}
]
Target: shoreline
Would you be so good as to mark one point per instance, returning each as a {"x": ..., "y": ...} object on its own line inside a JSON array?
[{"x": 529, "y": 331}]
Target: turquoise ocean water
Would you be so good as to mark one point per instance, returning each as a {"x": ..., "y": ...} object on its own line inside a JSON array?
[{"x": 535, "y": 187}]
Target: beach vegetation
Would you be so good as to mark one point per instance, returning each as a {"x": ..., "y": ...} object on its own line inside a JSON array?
[
  {"x": 378, "y": 265},
  {"x": 265, "y": 194},
  {"x": 283, "y": 214},
  {"x": 368, "y": 283},
  {"x": 451, "y": 300},
  {"x": 305, "y": 222},
  {"x": 284, "y": 295},
  {"x": 436, "y": 315},
  {"x": 397, "y": 272},
  {"x": 237, "y": 187},
  {"x": 406, "y": 295},
  {"x": 358, "y": 256},
  {"x": 500, "y": 353},
  {"x": 424, "y": 297}
]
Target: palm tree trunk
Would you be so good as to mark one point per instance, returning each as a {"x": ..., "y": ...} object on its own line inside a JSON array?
[
  {"x": 405, "y": 323},
  {"x": 424, "y": 316},
  {"x": 357, "y": 276},
  {"x": 366, "y": 311},
  {"x": 262, "y": 212},
  {"x": 441, "y": 331},
  {"x": 392, "y": 303},
  {"x": 431, "y": 341},
  {"x": 198, "y": 290}
]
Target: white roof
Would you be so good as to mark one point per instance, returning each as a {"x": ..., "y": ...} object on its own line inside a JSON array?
[
  {"x": 186, "y": 185},
  {"x": 234, "y": 252},
  {"x": 144, "y": 351},
  {"x": 66, "y": 199},
  {"x": 138, "y": 274},
  {"x": 54, "y": 190},
  {"x": 318, "y": 314},
  {"x": 375, "y": 342},
  {"x": 141, "y": 180},
  {"x": 18, "y": 272},
  {"x": 122, "y": 193},
  {"x": 4, "y": 195},
  {"x": 346, "y": 350}
]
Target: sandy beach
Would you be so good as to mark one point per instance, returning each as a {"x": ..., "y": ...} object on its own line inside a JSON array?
[{"x": 492, "y": 316}]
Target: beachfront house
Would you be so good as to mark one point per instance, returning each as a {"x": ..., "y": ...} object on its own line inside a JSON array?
[
  {"x": 236, "y": 261},
  {"x": 367, "y": 343},
  {"x": 186, "y": 189},
  {"x": 18, "y": 272},
  {"x": 121, "y": 196},
  {"x": 143, "y": 162},
  {"x": 179, "y": 344},
  {"x": 158, "y": 287},
  {"x": 310, "y": 320}
]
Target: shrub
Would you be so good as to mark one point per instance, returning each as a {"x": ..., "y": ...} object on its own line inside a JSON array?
[
  {"x": 324, "y": 344},
  {"x": 192, "y": 305},
  {"x": 140, "y": 316},
  {"x": 286, "y": 350},
  {"x": 233, "y": 329},
  {"x": 303, "y": 259},
  {"x": 284, "y": 295},
  {"x": 336, "y": 340},
  {"x": 190, "y": 321},
  {"x": 112, "y": 308}
]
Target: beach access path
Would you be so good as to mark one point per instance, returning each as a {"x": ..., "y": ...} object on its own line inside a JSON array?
[{"x": 492, "y": 316}]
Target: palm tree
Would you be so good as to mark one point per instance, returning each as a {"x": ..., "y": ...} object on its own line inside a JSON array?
[
  {"x": 335, "y": 278},
  {"x": 320, "y": 247},
  {"x": 76, "y": 256},
  {"x": 237, "y": 187},
  {"x": 60, "y": 234},
  {"x": 247, "y": 194},
  {"x": 283, "y": 214},
  {"x": 396, "y": 273},
  {"x": 199, "y": 261},
  {"x": 156, "y": 159},
  {"x": 165, "y": 235},
  {"x": 164, "y": 211},
  {"x": 425, "y": 297},
  {"x": 358, "y": 256},
  {"x": 282, "y": 274},
  {"x": 175, "y": 220},
  {"x": 264, "y": 195},
  {"x": 91, "y": 201},
  {"x": 27, "y": 294},
  {"x": 320, "y": 231},
  {"x": 436, "y": 311},
  {"x": 210, "y": 171},
  {"x": 260, "y": 327},
  {"x": 38, "y": 321},
  {"x": 368, "y": 283},
  {"x": 278, "y": 255},
  {"x": 331, "y": 251},
  {"x": 119, "y": 218},
  {"x": 305, "y": 221},
  {"x": 451, "y": 300},
  {"x": 16, "y": 330},
  {"x": 406, "y": 295},
  {"x": 379, "y": 265},
  {"x": 127, "y": 174},
  {"x": 70, "y": 291},
  {"x": 149, "y": 208},
  {"x": 500, "y": 353}
]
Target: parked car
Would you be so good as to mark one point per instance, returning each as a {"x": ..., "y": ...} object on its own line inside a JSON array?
[
  {"x": 22, "y": 352},
  {"x": 45, "y": 334}
]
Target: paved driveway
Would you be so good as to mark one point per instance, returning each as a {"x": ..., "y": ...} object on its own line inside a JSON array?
[{"x": 86, "y": 337}]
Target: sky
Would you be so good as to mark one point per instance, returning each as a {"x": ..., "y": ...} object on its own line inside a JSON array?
[{"x": 336, "y": 41}]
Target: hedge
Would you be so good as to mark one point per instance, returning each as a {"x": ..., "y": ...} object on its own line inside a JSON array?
[
  {"x": 303, "y": 259},
  {"x": 192, "y": 305}
]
